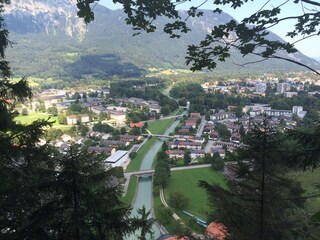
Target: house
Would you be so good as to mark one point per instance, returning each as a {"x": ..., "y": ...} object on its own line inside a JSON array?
[
  {"x": 175, "y": 153},
  {"x": 219, "y": 116},
  {"x": 80, "y": 140},
  {"x": 66, "y": 138},
  {"x": 130, "y": 138},
  {"x": 195, "y": 115},
  {"x": 214, "y": 135},
  {"x": 72, "y": 119},
  {"x": 184, "y": 145},
  {"x": 218, "y": 150},
  {"x": 138, "y": 125},
  {"x": 278, "y": 113},
  {"x": 197, "y": 139},
  {"x": 208, "y": 129},
  {"x": 183, "y": 137},
  {"x": 184, "y": 131},
  {"x": 197, "y": 153},
  {"x": 290, "y": 94},
  {"x": 114, "y": 143},
  {"x": 235, "y": 137},
  {"x": 154, "y": 108},
  {"x": 102, "y": 150},
  {"x": 191, "y": 123},
  {"x": 84, "y": 118},
  {"x": 233, "y": 128},
  {"x": 229, "y": 145},
  {"x": 117, "y": 116}
]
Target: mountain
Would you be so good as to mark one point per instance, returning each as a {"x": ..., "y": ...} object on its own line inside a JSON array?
[{"x": 52, "y": 42}]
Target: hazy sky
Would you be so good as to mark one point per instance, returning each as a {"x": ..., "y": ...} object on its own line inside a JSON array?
[{"x": 310, "y": 47}]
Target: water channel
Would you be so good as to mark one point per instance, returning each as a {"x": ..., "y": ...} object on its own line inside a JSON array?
[{"x": 144, "y": 188}]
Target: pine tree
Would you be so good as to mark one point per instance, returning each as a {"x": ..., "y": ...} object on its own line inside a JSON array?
[{"x": 261, "y": 202}]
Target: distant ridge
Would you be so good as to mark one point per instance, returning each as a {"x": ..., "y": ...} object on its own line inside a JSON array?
[{"x": 53, "y": 42}]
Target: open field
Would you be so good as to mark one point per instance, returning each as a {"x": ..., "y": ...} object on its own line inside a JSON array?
[
  {"x": 128, "y": 198},
  {"x": 186, "y": 182},
  {"x": 135, "y": 163},
  {"x": 308, "y": 181},
  {"x": 31, "y": 117},
  {"x": 159, "y": 126}
]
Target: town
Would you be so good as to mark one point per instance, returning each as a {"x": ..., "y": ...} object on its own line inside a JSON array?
[{"x": 124, "y": 129}]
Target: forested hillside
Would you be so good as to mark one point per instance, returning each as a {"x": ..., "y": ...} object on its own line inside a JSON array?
[{"x": 50, "y": 41}]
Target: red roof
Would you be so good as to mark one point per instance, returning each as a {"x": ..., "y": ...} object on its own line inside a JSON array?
[
  {"x": 139, "y": 125},
  {"x": 177, "y": 238},
  {"x": 217, "y": 231}
]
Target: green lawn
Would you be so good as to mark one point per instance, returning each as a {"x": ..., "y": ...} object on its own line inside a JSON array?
[
  {"x": 31, "y": 117},
  {"x": 308, "y": 180},
  {"x": 159, "y": 126},
  {"x": 135, "y": 163},
  {"x": 128, "y": 198},
  {"x": 187, "y": 182}
]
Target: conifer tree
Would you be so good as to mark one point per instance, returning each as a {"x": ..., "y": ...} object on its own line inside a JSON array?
[{"x": 261, "y": 201}]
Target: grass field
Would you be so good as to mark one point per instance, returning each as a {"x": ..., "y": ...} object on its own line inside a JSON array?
[
  {"x": 308, "y": 181},
  {"x": 128, "y": 198},
  {"x": 186, "y": 182},
  {"x": 135, "y": 163},
  {"x": 159, "y": 126},
  {"x": 31, "y": 117}
]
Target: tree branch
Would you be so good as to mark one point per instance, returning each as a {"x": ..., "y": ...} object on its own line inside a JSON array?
[
  {"x": 311, "y": 2},
  {"x": 295, "y": 62}
]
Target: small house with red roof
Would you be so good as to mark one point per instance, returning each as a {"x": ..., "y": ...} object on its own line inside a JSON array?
[{"x": 138, "y": 125}]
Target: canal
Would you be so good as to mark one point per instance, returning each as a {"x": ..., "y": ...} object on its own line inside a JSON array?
[{"x": 144, "y": 188}]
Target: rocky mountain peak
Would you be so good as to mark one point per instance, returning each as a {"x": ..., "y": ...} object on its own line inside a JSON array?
[{"x": 48, "y": 15}]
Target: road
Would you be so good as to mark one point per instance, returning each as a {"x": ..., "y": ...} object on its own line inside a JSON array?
[
  {"x": 208, "y": 146},
  {"x": 201, "y": 126}
]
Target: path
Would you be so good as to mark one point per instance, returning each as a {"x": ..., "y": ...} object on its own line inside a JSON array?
[{"x": 163, "y": 200}]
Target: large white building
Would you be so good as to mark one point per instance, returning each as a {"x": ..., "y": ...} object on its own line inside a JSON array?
[
  {"x": 261, "y": 87},
  {"x": 117, "y": 159}
]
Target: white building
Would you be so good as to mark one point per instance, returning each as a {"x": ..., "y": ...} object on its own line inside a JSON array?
[
  {"x": 261, "y": 87},
  {"x": 117, "y": 159}
]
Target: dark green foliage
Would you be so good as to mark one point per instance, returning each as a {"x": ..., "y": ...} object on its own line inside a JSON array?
[
  {"x": 186, "y": 157},
  {"x": 53, "y": 111},
  {"x": 102, "y": 127},
  {"x": 135, "y": 131},
  {"x": 162, "y": 170},
  {"x": 164, "y": 215},
  {"x": 53, "y": 134},
  {"x": 146, "y": 224},
  {"x": 217, "y": 162},
  {"x": 117, "y": 172},
  {"x": 261, "y": 196},
  {"x": 178, "y": 200},
  {"x": 223, "y": 131},
  {"x": 83, "y": 130},
  {"x": 309, "y": 140},
  {"x": 75, "y": 108},
  {"x": 62, "y": 119}
]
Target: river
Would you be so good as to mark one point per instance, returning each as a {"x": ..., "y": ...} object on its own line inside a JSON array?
[{"x": 144, "y": 188}]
